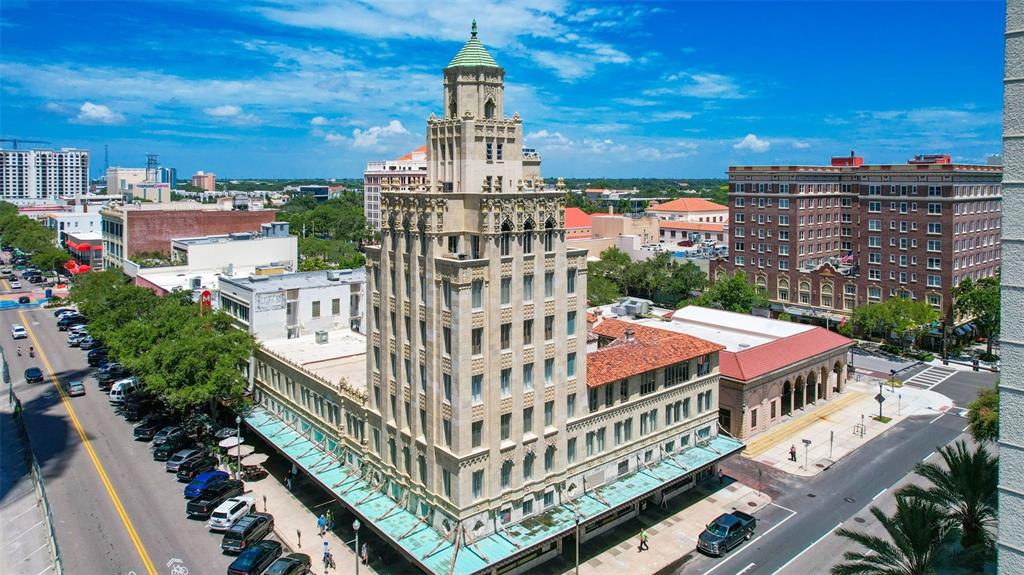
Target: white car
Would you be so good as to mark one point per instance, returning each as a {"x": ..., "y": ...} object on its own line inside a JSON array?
[
  {"x": 18, "y": 331},
  {"x": 15, "y": 284},
  {"x": 224, "y": 516}
]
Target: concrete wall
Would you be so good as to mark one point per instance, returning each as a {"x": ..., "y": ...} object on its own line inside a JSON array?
[
  {"x": 243, "y": 253},
  {"x": 1011, "y": 386}
]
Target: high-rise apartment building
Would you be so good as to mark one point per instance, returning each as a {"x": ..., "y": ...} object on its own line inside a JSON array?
[
  {"x": 407, "y": 172},
  {"x": 821, "y": 240},
  {"x": 206, "y": 181},
  {"x": 33, "y": 176}
]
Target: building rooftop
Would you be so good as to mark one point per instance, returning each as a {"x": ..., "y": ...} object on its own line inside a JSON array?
[
  {"x": 688, "y": 205},
  {"x": 419, "y": 153},
  {"x": 473, "y": 54},
  {"x": 695, "y": 226},
  {"x": 298, "y": 280},
  {"x": 576, "y": 218},
  {"x": 343, "y": 357},
  {"x": 646, "y": 349}
]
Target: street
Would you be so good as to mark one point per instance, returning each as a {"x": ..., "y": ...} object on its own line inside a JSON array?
[{"x": 116, "y": 510}]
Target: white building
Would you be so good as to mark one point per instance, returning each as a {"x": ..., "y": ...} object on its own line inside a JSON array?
[
  {"x": 405, "y": 173},
  {"x": 121, "y": 181},
  {"x": 294, "y": 305},
  {"x": 63, "y": 223},
  {"x": 43, "y": 176}
]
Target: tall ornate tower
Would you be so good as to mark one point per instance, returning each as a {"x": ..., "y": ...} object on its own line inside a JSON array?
[{"x": 477, "y": 346}]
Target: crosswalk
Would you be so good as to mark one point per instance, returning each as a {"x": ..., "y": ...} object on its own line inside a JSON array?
[{"x": 930, "y": 377}]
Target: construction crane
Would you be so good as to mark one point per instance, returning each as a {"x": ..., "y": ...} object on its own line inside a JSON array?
[{"x": 17, "y": 141}]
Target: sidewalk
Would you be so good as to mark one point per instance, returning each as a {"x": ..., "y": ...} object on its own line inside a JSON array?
[
  {"x": 23, "y": 530},
  {"x": 841, "y": 417},
  {"x": 673, "y": 531},
  {"x": 295, "y": 524}
]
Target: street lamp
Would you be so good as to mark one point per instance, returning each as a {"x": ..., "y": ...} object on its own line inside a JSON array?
[
  {"x": 238, "y": 444},
  {"x": 807, "y": 445},
  {"x": 355, "y": 527}
]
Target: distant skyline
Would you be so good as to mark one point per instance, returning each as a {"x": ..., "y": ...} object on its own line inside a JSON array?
[{"x": 288, "y": 88}]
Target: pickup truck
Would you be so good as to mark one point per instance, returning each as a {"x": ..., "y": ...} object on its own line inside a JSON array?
[
  {"x": 726, "y": 532},
  {"x": 212, "y": 496}
]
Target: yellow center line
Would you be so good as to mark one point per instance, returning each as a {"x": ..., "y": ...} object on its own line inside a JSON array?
[{"x": 143, "y": 554}]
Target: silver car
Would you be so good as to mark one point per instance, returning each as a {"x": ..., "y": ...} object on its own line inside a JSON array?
[{"x": 178, "y": 458}]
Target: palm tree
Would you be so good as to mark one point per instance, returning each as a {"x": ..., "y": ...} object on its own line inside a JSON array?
[
  {"x": 966, "y": 487},
  {"x": 916, "y": 532}
]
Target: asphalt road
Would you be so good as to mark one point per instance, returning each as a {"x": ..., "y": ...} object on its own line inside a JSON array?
[
  {"x": 116, "y": 511},
  {"x": 806, "y": 511}
]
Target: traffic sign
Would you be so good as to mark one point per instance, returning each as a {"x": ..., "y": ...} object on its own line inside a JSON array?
[
  {"x": 879, "y": 398},
  {"x": 206, "y": 299}
]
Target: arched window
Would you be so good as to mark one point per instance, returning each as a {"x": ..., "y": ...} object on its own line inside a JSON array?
[
  {"x": 826, "y": 295},
  {"x": 489, "y": 109},
  {"x": 805, "y": 292},
  {"x": 505, "y": 240},
  {"x": 783, "y": 289},
  {"x": 761, "y": 285},
  {"x": 528, "y": 237},
  {"x": 549, "y": 236}
]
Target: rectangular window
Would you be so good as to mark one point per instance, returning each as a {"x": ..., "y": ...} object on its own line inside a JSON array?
[
  {"x": 478, "y": 294},
  {"x": 477, "y": 433},
  {"x": 446, "y": 378},
  {"x": 506, "y": 382},
  {"x": 336, "y": 306},
  {"x": 549, "y": 371},
  {"x": 549, "y": 413},
  {"x": 446, "y": 481},
  {"x": 527, "y": 332},
  {"x": 527, "y": 420},
  {"x": 570, "y": 450},
  {"x": 570, "y": 323},
  {"x": 648, "y": 382},
  {"x": 600, "y": 440},
  {"x": 549, "y": 328},
  {"x": 478, "y": 484},
  {"x": 506, "y": 291},
  {"x": 528, "y": 377},
  {"x": 506, "y": 426},
  {"x": 528, "y": 288},
  {"x": 477, "y": 340},
  {"x": 549, "y": 284},
  {"x": 316, "y": 309},
  {"x": 570, "y": 281},
  {"x": 570, "y": 406},
  {"x": 506, "y": 336},
  {"x": 478, "y": 388},
  {"x": 446, "y": 293},
  {"x": 570, "y": 365},
  {"x": 446, "y": 429}
]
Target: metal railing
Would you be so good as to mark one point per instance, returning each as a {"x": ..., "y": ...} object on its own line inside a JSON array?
[{"x": 33, "y": 465}]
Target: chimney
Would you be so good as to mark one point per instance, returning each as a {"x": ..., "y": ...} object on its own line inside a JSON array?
[{"x": 628, "y": 335}]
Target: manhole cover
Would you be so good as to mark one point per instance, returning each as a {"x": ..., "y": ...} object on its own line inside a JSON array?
[
  {"x": 751, "y": 504},
  {"x": 858, "y": 520},
  {"x": 848, "y": 499},
  {"x": 811, "y": 495},
  {"x": 820, "y": 465}
]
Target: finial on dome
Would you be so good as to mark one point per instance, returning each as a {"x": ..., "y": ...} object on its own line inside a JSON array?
[{"x": 473, "y": 33}]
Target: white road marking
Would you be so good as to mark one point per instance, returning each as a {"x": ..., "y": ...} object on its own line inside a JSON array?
[
  {"x": 25, "y": 531},
  {"x": 754, "y": 540},
  {"x": 747, "y": 568},
  {"x": 48, "y": 568},
  {"x": 936, "y": 418},
  {"x": 787, "y": 563},
  {"x": 927, "y": 457},
  {"x": 879, "y": 494},
  {"x": 782, "y": 508}
]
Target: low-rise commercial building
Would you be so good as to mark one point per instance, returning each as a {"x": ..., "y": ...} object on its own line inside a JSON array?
[
  {"x": 675, "y": 231},
  {"x": 696, "y": 210},
  {"x": 577, "y": 224},
  {"x": 612, "y": 225},
  {"x": 63, "y": 223}
]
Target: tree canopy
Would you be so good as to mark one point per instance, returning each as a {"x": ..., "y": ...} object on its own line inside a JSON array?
[
  {"x": 659, "y": 278},
  {"x": 899, "y": 320},
  {"x": 734, "y": 293},
  {"x": 983, "y": 415},
  {"x": 31, "y": 237},
  {"x": 981, "y": 301},
  {"x": 329, "y": 232}
]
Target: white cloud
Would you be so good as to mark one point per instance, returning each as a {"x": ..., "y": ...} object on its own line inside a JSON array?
[
  {"x": 546, "y": 139},
  {"x": 752, "y": 143},
  {"x": 700, "y": 85},
  {"x": 55, "y": 108},
  {"x": 801, "y": 145},
  {"x": 224, "y": 111},
  {"x": 319, "y": 121},
  {"x": 374, "y": 135},
  {"x": 335, "y": 138},
  {"x": 91, "y": 113}
]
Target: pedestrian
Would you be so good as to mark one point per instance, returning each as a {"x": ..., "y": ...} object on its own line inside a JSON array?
[
  {"x": 792, "y": 452},
  {"x": 721, "y": 477},
  {"x": 364, "y": 554},
  {"x": 327, "y": 554},
  {"x": 643, "y": 540},
  {"x": 321, "y": 524},
  {"x": 330, "y": 520}
]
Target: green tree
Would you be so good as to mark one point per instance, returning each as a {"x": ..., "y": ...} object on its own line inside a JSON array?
[
  {"x": 966, "y": 487},
  {"x": 734, "y": 293},
  {"x": 50, "y": 258},
  {"x": 898, "y": 319},
  {"x": 983, "y": 415},
  {"x": 916, "y": 534},
  {"x": 601, "y": 291},
  {"x": 980, "y": 300}
]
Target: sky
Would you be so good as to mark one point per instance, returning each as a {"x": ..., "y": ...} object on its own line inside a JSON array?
[{"x": 304, "y": 89}]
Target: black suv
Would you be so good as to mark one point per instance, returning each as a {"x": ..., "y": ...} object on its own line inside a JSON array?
[
  {"x": 255, "y": 559},
  {"x": 188, "y": 470},
  {"x": 69, "y": 320},
  {"x": 213, "y": 495},
  {"x": 165, "y": 450},
  {"x": 96, "y": 356},
  {"x": 246, "y": 531},
  {"x": 148, "y": 427},
  {"x": 139, "y": 404}
]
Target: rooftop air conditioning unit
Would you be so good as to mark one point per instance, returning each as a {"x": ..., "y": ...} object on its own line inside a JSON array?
[
  {"x": 321, "y": 336},
  {"x": 333, "y": 275}
]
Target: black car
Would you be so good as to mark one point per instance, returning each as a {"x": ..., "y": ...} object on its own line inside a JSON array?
[
  {"x": 96, "y": 356},
  {"x": 213, "y": 495},
  {"x": 148, "y": 427},
  {"x": 57, "y": 312},
  {"x": 255, "y": 559},
  {"x": 188, "y": 470},
  {"x": 138, "y": 405},
  {"x": 24, "y": 299},
  {"x": 291, "y": 564},
  {"x": 33, "y": 375},
  {"x": 70, "y": 319},
  {"x": 165, "y": 450},
  {"x": 247, "y": 530},
  {"x": 36, "y": 279}
]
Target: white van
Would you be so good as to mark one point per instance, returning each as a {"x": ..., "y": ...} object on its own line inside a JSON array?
[{"x": 122, "y": 389}]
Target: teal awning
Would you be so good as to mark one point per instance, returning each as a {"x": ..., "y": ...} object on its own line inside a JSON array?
[{"x": 428, "y": 548}]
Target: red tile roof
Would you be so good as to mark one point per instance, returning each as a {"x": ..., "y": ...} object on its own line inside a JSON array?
[
  {"x": 419, "y": 150},
  {"x": 651, "y": 348},
  {"x": 688, "y": 205},
  {"x": 752, "y": 363},
  {"x": 695, "y": 226},
  {"x": 576, "y": 218}
]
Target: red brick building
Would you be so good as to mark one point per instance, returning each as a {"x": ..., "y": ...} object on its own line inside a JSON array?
[{"x": 820, "y": 240}]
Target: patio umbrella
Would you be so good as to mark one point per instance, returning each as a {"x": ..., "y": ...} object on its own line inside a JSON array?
[
  {"x": 255, "y": 459},
  {"x": 230, "y": 442},
  {"x": 241, "y": 450}
]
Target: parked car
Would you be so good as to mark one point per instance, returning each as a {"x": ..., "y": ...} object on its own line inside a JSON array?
[
  {"x": 165, "y": 450},
  {"x": 36, "y": 279},
  {"x": 726, "y": 532},
  {"x": 69, "y": 319},
  {"x": 18, "y": 331},
  {"x": 62, "y": 310},
  {"x": 225, "y": 432},
  {"x": 180, "y": 457},
  {"x": 15, "y": 284},
  {"x": 138, "y": 405},
  {"x": 291, "y": 564},
  {"x": 227, "y": 513},
  {"x": 149, "y": 426},
  {"x": 33, "y": 375},
  {"x": 89, "y": 342},
  {"x": 75, "y": 337},
  {"x": 195, "y": 487},
  {"x": 215, "y": 493},
  {"x": 249, "y": 529},
  {"x": 255, "y": 559},
  {"x": 167, "y": 433},
  {"x": 24, "y": 299},
  {"x": 96, "y": 356},
  {"x": 74, "y": 388},
  {"x": 190, "y": 469},
  {"x": 121, "y": 389}
]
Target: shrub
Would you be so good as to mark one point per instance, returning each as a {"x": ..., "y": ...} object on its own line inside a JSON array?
[{"x": 988, "y": 357}]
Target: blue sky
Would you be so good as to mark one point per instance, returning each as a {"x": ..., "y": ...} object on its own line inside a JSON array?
[{"x": 290, "y": 88}]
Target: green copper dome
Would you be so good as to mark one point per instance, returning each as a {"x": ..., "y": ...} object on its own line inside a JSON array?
[{"x": 473, "y": 54}]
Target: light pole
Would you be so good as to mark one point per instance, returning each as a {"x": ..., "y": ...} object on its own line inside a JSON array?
[
  {"x": 238, "y": 445},
  {"x": 355, "y": 527},
  {"x": 577, "y": 517},
  {"x": 807, "y": 445}
]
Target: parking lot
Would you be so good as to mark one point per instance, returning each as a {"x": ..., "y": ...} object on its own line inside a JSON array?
[{"x": 115, "y": 509}]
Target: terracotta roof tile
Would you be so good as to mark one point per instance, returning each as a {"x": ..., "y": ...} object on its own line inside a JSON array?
[
  {"x": 754, "y": 362},
  {"x": 576, "y": 218},
  {"x": 651, "y": 348},
  {"x": 688, "y": 205}
]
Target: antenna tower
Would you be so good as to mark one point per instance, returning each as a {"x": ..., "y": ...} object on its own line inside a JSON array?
[{"x": 152, "y": 168}]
